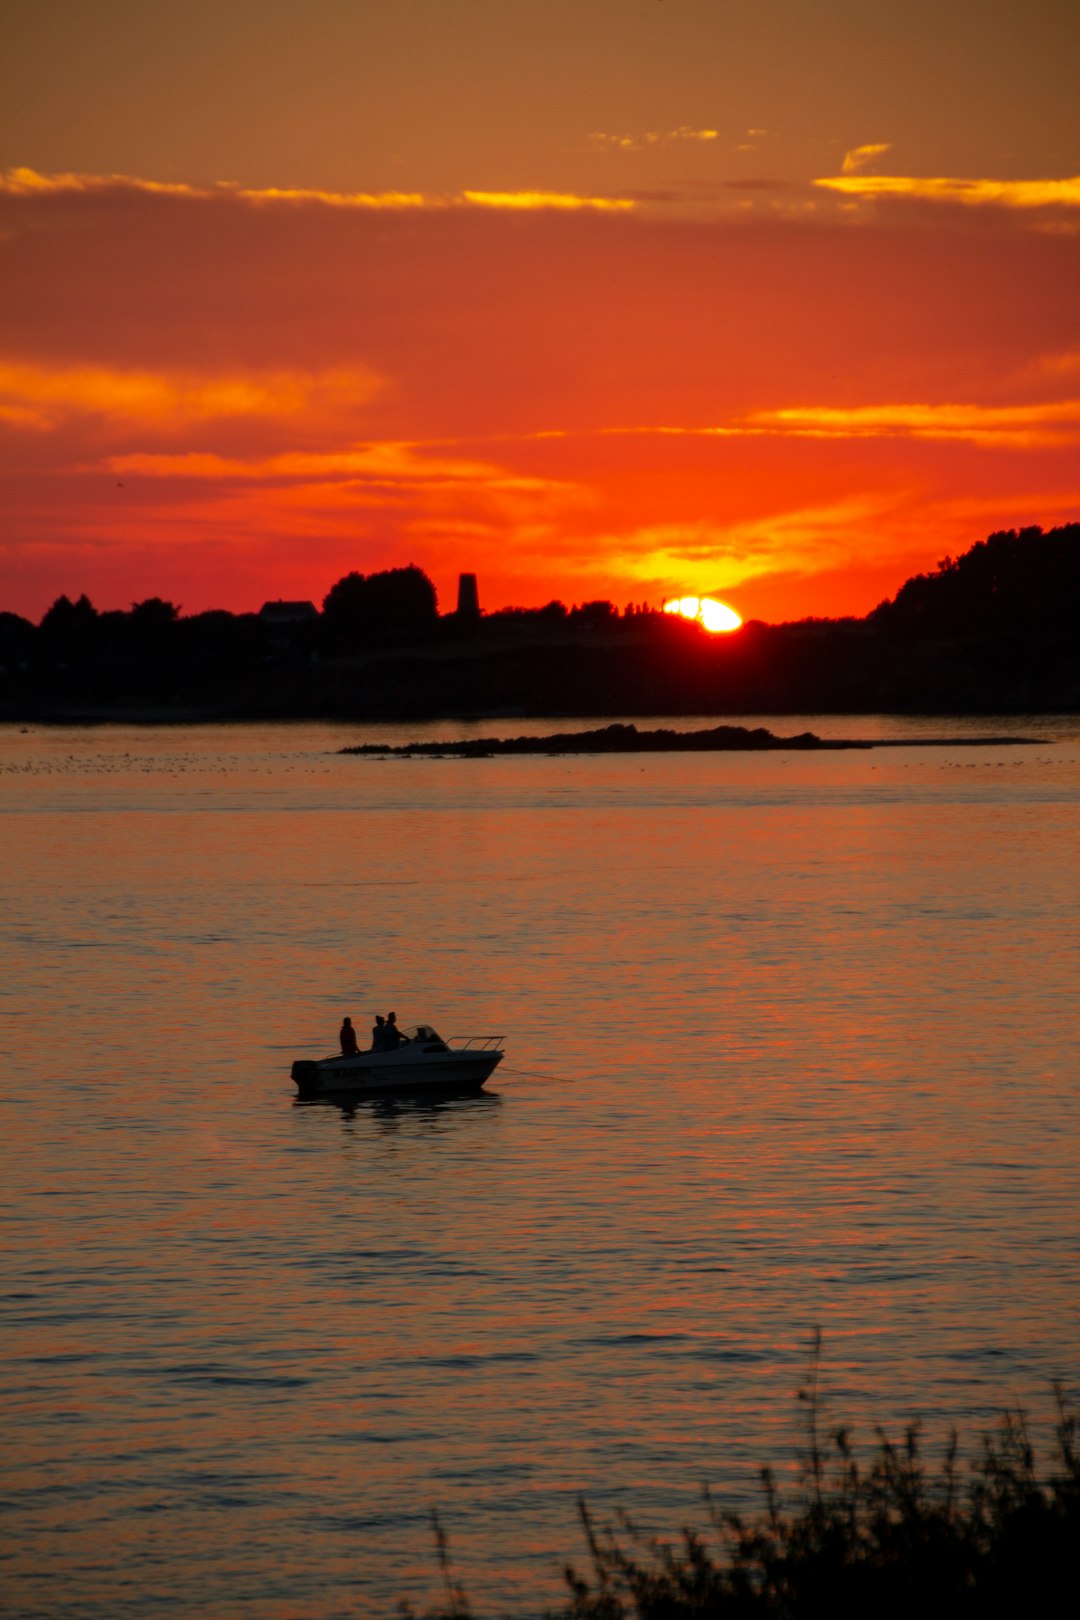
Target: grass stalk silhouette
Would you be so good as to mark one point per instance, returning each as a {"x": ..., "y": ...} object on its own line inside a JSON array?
[{"x": 887, "y": 1539}]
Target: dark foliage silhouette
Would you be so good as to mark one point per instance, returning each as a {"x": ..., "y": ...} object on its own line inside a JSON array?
[
  {"x": 990, "y": 632},
  {"x": 890, "y": 1538},
  {"x": 70, "y": 627},
  {"x": 1013, "y": 580},
  {"x": 17, "y": 639},
  {"x": 361, "y": 607}
]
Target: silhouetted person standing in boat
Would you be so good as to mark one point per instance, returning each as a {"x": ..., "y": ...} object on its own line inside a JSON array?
[
  {"x": 378, "y": 1034},
  {"x": 394, "y": 1037},
  {"x": 348, "y": 1039}
]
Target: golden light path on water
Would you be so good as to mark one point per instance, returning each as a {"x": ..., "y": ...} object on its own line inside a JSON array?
[{"x": 713, "y": 615}]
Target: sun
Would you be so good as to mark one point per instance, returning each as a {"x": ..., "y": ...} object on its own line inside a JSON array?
[{"x": 712, "y": 615}]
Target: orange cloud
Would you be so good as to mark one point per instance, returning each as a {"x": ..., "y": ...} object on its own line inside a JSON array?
[
  {"x": 1007, "y": 426},
  {"x": 1052, "y": 424},
  {"x": 328, "y": 199},
  {"x": 711, "y": 556},
  {"x": 859, "y": 156},
  {"x": 545, "y": 199},
  {"x": 23, "y": 182},
  {"x": 388, "y": 462},
  {"x": 23, "y": 416},
  {"x": 1060, "y": 364},
  {"x": 974, "y": 193},
  {"x": 40, "y": 396},
  {"x": 652, "y": 137}
]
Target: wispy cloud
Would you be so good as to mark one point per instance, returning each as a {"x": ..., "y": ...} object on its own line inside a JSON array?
[
  {"x": 40, "y": 396},
  {"x": 24, "y": 182},
  {"x": 545, "y": 199},
  {"x": 267, "y": 196},
  {"x": 651, "y": 137},
  {"x": 1013, "y": 426},
  {"x": 385, "y": 462},
  {"x": 1050, "y": 424},
  {"x": 1060, "y": 364},
  {"x": 710, "y": 556},
  {"x": 408, "y": 489},
  {"x": 1022, "y": 194},
  {"x": 859, "y": 156},
  {"x": 24, "y": 416}
]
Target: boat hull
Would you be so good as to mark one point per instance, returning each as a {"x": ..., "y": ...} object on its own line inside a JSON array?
[{"x": 377, "y": 1074}]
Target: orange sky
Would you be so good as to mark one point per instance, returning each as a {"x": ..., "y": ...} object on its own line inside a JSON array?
[{"x": 616, "y": 300}]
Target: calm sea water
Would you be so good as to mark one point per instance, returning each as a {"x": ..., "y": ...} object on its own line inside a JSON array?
[{"x": 792, "y": 1043}]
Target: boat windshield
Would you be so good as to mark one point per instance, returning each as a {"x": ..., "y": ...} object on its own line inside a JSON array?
[{"x": 421, "y": 1032}]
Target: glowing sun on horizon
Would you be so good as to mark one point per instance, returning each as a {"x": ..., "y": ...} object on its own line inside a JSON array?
[{"x": 714, "y": 616}]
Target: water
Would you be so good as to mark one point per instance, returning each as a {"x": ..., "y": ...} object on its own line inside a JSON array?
[{"x": 792, "y": 1042}]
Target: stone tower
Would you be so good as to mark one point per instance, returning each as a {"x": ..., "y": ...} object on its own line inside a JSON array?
[{"x": 468, "y": 599}]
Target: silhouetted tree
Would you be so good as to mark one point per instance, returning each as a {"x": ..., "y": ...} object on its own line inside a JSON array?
[
  {"x": 595, "y": 614},
  {"x": 1012, "y": 580},
  {"x": 151, "y": 627},
  {"x": 402, "y": 598},
  {"x": 222, "y": 635},
  {"x": 66, "y": 616},
  {"x": 551, "y": 613},
  {"x": 17, "y": 637},
  {"x": 343, "y": 604},
  {"x": 69, "y": 629},
  {"x": 387, "y": 604},
  {"x": 153, "y": 614}
]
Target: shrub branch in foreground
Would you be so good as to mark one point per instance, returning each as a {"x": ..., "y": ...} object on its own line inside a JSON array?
[{"x": 880, "y": 1541}]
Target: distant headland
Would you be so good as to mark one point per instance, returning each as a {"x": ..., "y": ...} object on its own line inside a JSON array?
[
  {"x": 627, "y": 739},
  {"x": 993, "y": 631}
]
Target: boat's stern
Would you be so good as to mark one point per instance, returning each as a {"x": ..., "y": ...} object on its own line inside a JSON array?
[{"x": 306, "y": 1074}]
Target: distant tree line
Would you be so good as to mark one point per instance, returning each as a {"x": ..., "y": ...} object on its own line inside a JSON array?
[
  {"x": 993, "y": 630},
  {"x": 359, "y": 613},
  {"x": 74, "y": 632}
]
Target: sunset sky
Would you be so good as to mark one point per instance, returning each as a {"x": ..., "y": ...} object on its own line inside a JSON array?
[{"x": 772, "y": 300}]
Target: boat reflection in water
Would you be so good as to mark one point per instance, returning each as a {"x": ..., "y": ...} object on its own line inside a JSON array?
[
  {"x": 390, "y": 1111},
  {"x": 424, "y": 1064}
]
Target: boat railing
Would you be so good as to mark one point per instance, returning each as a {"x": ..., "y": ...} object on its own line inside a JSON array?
[{"x": 475, "y": 1043}]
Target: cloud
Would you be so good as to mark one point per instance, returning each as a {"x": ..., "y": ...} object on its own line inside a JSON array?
[
  {"x": 22, "y": 182},
  {"x": 652, "y": 137},
  {"x": 860, "y": 156},
  {"x": 397, "y": 488},
  {"x": 1008, "y": 426},
  {"x": 717, "y": 557},
  {"x": 40, "y": 396},
  {"x": 545, "y": 199},
  {"x": 1061, "y": 364},
  {"x": 24, "y": 416},
  {"x": 387, "y": 463},
  {"x": 1051, "y": 424},
  {"x": 1022, "y": 194}
]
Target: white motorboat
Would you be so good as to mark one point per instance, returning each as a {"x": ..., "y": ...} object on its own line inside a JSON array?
[{"x": 423, "y": 1062}]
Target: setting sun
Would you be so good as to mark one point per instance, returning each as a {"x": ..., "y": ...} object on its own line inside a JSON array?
[{"x": 712, "y": 615}]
